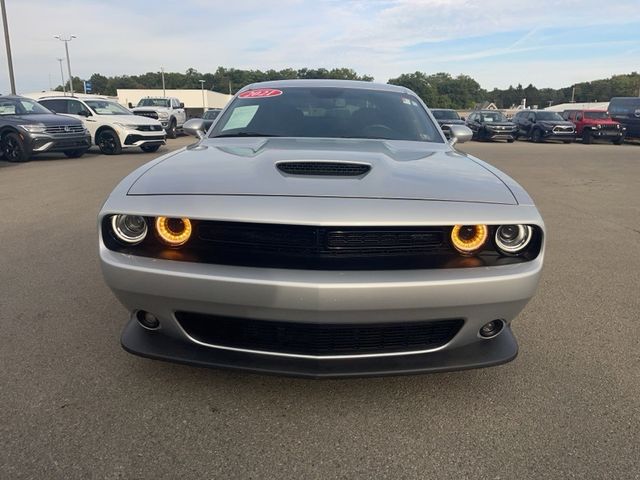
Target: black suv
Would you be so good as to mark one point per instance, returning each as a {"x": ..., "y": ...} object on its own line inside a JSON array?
[
  {"x": 491, "y": 125},
  {"x": 541, "y": 125},
  {"x": 27, "y": 128},
  {"x": 626, "y": 111},
  {"x": 445, "y": 118}
]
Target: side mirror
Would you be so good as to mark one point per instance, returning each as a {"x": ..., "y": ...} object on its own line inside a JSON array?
[
  {"x": 459, "y": 134},
  {"x": 197, "y": 127},
  {"x": 84, "y": 113},
  {"x": 181, "y": 105},
  {"x": 463, "y": 119},
  {"x": 130, "y": 105}
]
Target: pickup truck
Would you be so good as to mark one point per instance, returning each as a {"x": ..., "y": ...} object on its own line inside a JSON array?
[{"x": 169, "y": 111}]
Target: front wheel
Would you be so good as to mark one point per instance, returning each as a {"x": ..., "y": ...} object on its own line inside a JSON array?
[
  {"x": 619, "y": 141},
  {"x": 511, "y": 140},
  {"x": 13, "y": 149},
  {"x": 586, "y": 137},
  {"x": 566, "y": 141},
  {"x": 75, "y": 153},
  {"x": 150, "y": 148},
  {"x": 109, "y": 143},
  {"x": 537, "y": 136},
  {"x": 172, "y": 129}
]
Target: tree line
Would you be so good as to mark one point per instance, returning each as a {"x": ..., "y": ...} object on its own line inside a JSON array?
[{"x": 437, "y": 90}]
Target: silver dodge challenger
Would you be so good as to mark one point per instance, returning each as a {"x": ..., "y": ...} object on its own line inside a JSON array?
[{"x": 322, "y": 228}]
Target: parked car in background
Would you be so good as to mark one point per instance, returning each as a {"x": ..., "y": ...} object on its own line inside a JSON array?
[
  {"x": 595, "y": 124},
  {"x": 541, "y": 125},
  {"x": 169, "y": 111},
  {"x": 211, "y": 114},
  {"x": 491, "y": 125},
  {"x": 626, "y": 111},
  {"x": 322, "y": 228},
  {"x": 445, "y": 118},
  {"x": 112, "y": 127},
  {"x": 27, "y": 128}
]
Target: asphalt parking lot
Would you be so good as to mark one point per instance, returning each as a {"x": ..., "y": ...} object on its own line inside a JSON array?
[{"x": 73, "y": 404}]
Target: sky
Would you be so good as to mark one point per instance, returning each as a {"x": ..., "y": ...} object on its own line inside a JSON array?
[{"x": 497, "y": 42}]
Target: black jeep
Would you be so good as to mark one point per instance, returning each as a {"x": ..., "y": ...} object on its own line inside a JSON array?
[{"x": 28, "y": 128}]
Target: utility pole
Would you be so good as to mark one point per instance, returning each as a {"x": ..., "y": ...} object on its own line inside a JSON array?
[
  {"x": 66, "y": 41},
  {"x": 164, "y": 95},
  {"x": 573, "y": 94},
  {"x": 229, "y": 86},
  {"x": 8, "y": 45},
  {"x": 202, "y": 88},
  {"x": 64, "y": 87}
]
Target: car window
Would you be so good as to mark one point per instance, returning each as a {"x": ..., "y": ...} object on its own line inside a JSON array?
[
  {"x": 74, "y": 107},
  {"x": 153, "y": 102},
  {"x": 328, "y": 112},
  {"x": 445, "y": 114},
  {"x": 548, "y": 116},
  {"x": 106, "y": 107},
  {"x": 55, "y": 105},
  {"x": 211, "y": 114},
  {"x": 624, "y": 106},
  {"x": 579, "y": 117},
  {"x": 596, "y": 115},
  {"x": 492, "y": 117},
  {"x": 21, "y": 106},
  {"x": 531, "y": 117}
]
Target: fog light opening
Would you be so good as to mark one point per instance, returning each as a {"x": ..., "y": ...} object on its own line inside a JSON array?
[
  {"x": 147, "y": 320},
  {"x": 491, "y": 329}
]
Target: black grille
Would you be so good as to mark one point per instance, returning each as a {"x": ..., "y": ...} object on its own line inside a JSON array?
[
  {"x": 334, "y": 169},
  {"x": 149, "y": 128},
  {"x": 319, "y": 339},
  {"x": 65, "y": 129},
  {"x": 147, "y": 114}
]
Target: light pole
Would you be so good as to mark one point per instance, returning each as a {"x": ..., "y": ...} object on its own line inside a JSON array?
[
  {"x": 8, "y": 45},
  {"x": 164, "y": 95},
  {"x": 66, "y": 41},
  {"x": 64, "y": 88},
  {"x": 202, "y": 88}
]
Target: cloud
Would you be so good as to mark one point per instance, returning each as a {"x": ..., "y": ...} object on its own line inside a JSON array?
[{"x": 380, "y": 37}]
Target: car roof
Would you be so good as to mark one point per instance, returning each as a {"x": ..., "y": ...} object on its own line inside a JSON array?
[
  {"x": 15, "y": 97},
  {"x": 327, "y": 83},
  {"x": 443, "y": 109},
  {"x": 69, "y": 97}
]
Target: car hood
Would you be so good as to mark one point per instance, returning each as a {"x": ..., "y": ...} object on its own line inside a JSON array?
[
  {"x": 150, "y": 109},
  {"x": 555, "y": 123},
  {"x": 48, "y": 119},
  {"x": 399, "y": 170},
  {"x": 446, "y": 121},
  {"x": 499, "y": 124},
  {"x": 131, "y": 119}
]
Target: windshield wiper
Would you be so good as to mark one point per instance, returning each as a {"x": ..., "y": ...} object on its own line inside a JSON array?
[{"x": 246, "y": 134}]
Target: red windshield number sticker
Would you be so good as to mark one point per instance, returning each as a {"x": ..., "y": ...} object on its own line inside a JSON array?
[{"x": 261, "y": 93}]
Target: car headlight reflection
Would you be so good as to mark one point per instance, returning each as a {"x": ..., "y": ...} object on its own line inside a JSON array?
[
  {"x": 513, "y": 238},
  {"x": 173, "y": 231},
  {"x": 468, "y": 239},
  {"x": 129, "y": 229}
]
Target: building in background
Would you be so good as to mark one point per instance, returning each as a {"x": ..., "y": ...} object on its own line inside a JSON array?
[
  {"x": 192, "y": 98},
  {"x": 561, "y": 107}
]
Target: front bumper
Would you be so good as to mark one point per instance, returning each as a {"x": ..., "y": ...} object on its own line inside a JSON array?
[
  {"x": 554, "y": 135},
  {"x": 131, "y": 138},
  {"x": 42, "y": 142},
  {"x": 607, "y": 133},
  {"x": 476, "y": 295},
  {"x": 500, "y": 134}
]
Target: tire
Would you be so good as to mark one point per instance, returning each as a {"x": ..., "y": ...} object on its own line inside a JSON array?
[
  {"x": 150, "y": 148},
  {"x": 536, "y": 136},
  {"x": 618, "y": 141},
  {"x": 75, "y": 153},
  {"x": 586, "y": 137},
  {"x": 566, "y": 141},
  {"x": 13, "y": 149},
  {"x": 109, "y": 143},
  {"x": 511, "y": 140},
  {"x": 172, "y": 129}
]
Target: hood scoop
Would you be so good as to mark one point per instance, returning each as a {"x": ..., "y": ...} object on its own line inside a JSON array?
[{"x": 325, "y": 169}]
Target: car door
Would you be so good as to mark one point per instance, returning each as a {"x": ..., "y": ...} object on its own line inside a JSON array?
[
  {"x": 180, "y": 114},
  {"x": 77, "y": 109},
  {"x": 472, "y": 122},
  {"x": 579, "y": 122}
]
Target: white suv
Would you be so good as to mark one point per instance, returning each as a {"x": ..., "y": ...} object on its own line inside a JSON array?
[
  {"x": 111, "y": 125},
  {"x": 170, "y": 111}
]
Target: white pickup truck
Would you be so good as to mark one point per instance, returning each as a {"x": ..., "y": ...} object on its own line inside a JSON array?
[{"x": 169, "y": 111}]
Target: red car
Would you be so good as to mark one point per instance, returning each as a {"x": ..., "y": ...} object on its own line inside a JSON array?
[{"x": 594, "y": 124}]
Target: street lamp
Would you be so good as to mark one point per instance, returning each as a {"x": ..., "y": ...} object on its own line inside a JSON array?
[
  {"x": 64, "y": 87},
  {"x": 202, "y": 88},
  {"x": 164, "y": 95},
  {"x": 8, "y": 45},
  {"x": 66, "y": 41}
]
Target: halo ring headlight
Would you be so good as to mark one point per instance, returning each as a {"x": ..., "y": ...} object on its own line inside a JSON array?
[
  {"x": 468, "y": 239},
  {"x": 129, "y": 229},
  {"x": 513, "y": 239},
  {"x": 173, "y": 231}
]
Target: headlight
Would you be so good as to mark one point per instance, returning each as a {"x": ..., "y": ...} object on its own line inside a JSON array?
[
  {"x": 35, "y": 128},
  {"x": 469, "y": 238},
  {"x": 163, "y": 115},
  {"x": 513, "y": 238},
  {"x": 127, "y": 126},
  {"x": 598, "y": 126},
  {"x": 173, "y": 231},
  {"x": 130, "y": 229}
]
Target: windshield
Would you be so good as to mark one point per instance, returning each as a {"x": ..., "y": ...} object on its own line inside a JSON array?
[
  {"x": 153, "y": 102},
  {"x": 446, "y": 114},
  {"x": 548, "y": 116},
  {"x": 104, "y": 107},
  {"x": 327, "y": 112},
  {"x": 211, "y": 114},
  {"x": 21, "y": 106},
  {"x": 597, "y": 115},
  {"x": 492, "y": 117}
]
